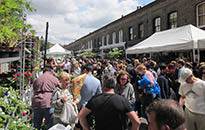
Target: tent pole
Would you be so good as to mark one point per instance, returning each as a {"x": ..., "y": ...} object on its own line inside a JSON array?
[
  {"x": 125, "y": 52},
  {"x": 198, "y": 51},
  {"x": 194, "y": 58}
]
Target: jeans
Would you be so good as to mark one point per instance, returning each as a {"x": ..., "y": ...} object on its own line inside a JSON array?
[{"x": 39, "y": 114}]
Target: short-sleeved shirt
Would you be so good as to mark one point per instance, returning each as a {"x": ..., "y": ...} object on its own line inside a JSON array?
[
  {"x": 195, "y": 96},
  {"x": 43, "y": 87},
  {"x": 109, "y": 111},
  {"x": 67, "y": 66},
  {"x": 90, "y": 88},
  {"x": 179, "y": 72}
]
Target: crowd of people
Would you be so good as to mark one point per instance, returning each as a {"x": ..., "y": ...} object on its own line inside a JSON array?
[{"x": 121, "y": 94}]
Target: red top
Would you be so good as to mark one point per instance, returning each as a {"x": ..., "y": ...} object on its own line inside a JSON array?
[{"x": 43, "y": 87}]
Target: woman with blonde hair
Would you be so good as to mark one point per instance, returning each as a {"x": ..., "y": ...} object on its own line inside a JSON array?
[
  {"x": 149, "y": 85},
  {"x": 142, "y": 69},
  {"x": 61, "y": 95}
]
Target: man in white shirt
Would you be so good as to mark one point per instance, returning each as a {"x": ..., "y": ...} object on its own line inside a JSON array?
[{"x": 192, "y": 91}]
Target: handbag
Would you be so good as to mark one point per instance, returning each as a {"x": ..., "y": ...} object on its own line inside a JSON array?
[{"x": 69, "y": 114}]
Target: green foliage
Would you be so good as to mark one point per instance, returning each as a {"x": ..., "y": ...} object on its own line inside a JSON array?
[
  {"x": 7, "y": 81},
  {"x": 42, "y": 46},
  {"x": 89, "y": 54},
  {"x": 115, "y": 53},
  {"x": 14, "y": 114},
  {"x": 35, "y": 62},
  {"x": 12, "y": 21}
]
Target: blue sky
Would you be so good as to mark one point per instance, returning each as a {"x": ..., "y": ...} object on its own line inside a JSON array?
[
  {"x": 145, "y": 2},
  {"x": 142, "y": 2},
  {"x": 70, "y": 20}
]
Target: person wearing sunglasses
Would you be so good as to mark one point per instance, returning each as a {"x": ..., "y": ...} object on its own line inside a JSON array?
[{"x": 125, "y": 88}]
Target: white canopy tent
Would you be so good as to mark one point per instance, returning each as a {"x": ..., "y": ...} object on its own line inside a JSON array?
[
  {"x": 201, "y": 43},
  {"x": 57, "y": 50},
  {"x": 182, "y": 38}
]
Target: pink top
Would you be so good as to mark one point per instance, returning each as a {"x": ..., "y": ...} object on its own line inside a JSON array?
[
  {"x": 43, "y": 87},
  {"x": 150, "y": 77}
]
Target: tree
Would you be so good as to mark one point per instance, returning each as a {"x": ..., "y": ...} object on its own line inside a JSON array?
[
  {"x": 89, "y": 54},
  {"x": 12, "y": 20},
  {"x": 42, "y": 46},
  {"x": 115, "y": 53}
]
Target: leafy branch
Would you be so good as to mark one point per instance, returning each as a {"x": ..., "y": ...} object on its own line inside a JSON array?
[
  {"x": 115, "y": 53},
  {"x": 12, "y": 20}
]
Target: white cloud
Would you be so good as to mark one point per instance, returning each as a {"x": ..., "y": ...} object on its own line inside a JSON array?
[{"x": 71, "y": 19}]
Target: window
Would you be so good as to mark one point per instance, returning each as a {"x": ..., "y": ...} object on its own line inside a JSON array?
[
  {"x": 157, "y": 24},
  {"x": 130, "y": 33},
  {"x": 120, "y": 36},
  {"x": 91, "y": 44},
  {"x": 141, "y": 30},
  {"x": 172, "y": 20},
  {"x": 107, "y": 39},
  {"x": 99, "y": 42},
  {"x": 95, "y": 43},
  {"x": 113, "y": 37},
  {"x": 86, "y": 45},
  {"x": 103, "y": 40},
  {"x": 201, "y": 14}
]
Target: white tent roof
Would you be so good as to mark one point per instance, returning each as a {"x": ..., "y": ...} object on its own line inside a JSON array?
[
  {"x": 57, "y": 50},
  {"x": 201, "y": 43},
  {"x": 182, "y": 38}
]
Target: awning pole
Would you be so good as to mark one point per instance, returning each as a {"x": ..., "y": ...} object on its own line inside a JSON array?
[
  {"x": 194, "y": 58},
  {"x": 198, "y": 52},
  {"x": 125, "y": 52}
]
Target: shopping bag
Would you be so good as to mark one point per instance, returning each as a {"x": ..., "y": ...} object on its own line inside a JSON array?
[
  {"x": 69, "y": 114},
  {"x": 60, "y": 127},
  {"x": 77, "y": 85}
]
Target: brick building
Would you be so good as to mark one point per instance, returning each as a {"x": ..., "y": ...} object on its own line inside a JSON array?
[{"x": 144, "y": 21}]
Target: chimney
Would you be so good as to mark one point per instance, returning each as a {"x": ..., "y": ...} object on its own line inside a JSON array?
[{"x": 139, "y": 7}]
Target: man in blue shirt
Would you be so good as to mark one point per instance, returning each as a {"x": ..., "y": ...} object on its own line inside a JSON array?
[
  {"x": 90, "y": 88},
  {"x": 181, "y": 67}
]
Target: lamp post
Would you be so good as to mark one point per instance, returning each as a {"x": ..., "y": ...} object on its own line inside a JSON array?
[{"x": 45, "y": 43}]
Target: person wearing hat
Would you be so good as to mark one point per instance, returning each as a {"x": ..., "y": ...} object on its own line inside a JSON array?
[{"x": 192, "y": 91}]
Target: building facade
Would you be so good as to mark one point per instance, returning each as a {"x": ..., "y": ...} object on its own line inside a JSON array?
[{"x": 131, "y": 29}]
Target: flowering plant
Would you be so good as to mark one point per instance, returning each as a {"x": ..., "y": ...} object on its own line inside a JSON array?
[
  {"x": 28, "y": 76},
  {"x": 14, "y": 114}
]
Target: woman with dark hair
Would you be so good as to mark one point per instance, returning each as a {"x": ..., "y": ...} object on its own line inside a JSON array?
[{"x": 125, "y": 88}]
